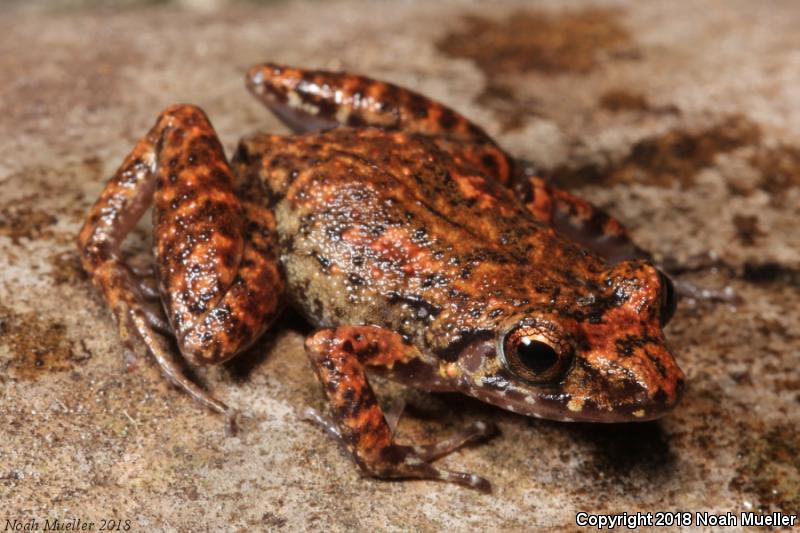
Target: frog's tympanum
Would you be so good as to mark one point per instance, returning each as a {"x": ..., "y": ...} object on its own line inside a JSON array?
[{"x": 414, "y": 244}]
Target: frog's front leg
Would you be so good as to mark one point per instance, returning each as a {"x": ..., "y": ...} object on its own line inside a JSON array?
[
  {"x": 340, "y": 356},
  {"x": 218, "y": 277}
]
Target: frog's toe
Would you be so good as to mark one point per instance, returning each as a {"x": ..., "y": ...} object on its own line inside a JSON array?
[
  {"x": 393, "y": 414},
  {"x": 231, "y": 422},
  {"x": 312, "y": 415},
  {"x": 693, "y": 292},
  {"x": 475, "y": 432},
  {"x": 155, "y": 319},
  {"x": 147, "y": 287},
  {"x": 129, "y": 359},
  {"x": 472, "y": 481},
  {"x": 413, "y": 466},
  {"x": 142, "y": 271}
]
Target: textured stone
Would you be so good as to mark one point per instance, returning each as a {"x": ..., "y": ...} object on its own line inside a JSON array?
[{"x": 682, "y": 118}]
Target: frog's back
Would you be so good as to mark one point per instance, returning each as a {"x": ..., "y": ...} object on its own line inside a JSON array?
[{"x": 385, "y": 228}]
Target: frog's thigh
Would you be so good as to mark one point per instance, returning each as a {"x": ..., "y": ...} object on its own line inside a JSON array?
[
  {"x": 215, "y": 246},
  {"x": 339, "y": 356},
  {"x": 579, "y": 220},
  {"x": 155, "y": 161}
]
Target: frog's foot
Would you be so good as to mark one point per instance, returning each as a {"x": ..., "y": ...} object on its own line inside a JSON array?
[
  {"x": 312, "y": 415},
  {"x": 471, "y": 434},
  {"x": 135, "y": 321},
  {"x": 339, "y": 356},
  {"x": 424, "y": 453},
  {"x": 219, "y": 279},
  {"x": 313, "y": 100},
  {"x": 702, "y": 262},
  {"x": 694, "y": 292}
]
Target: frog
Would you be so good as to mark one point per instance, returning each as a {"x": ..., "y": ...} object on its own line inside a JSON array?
[{"x": 416, "y": 247}]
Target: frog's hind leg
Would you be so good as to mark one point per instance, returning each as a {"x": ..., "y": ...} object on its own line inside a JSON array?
[
  {"x": 596, "y": 230},
  {"x": 339, "y": 356},
  {"x": 217, "y": 274},
  {"x": 578, "y": 220},
  {"x": 309, "y": 100},
  {"x": 312, "y": 100}
]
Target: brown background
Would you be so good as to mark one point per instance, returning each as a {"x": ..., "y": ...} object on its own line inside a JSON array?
[{"x": 682, "y": 118}]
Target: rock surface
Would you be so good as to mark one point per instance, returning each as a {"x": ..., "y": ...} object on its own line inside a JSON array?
[{"x": 682, "y": 118}]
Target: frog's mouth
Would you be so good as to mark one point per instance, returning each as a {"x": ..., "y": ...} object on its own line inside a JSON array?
[
  {"x": 599, "y": 386},
  {"x": 587, "y": 393},
  {"x": 631, "y": 403}
]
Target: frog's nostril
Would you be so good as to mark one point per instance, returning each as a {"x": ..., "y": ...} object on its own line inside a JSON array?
[
  {"x": 255, "y": 76},
  {"x": 256, "y": 79},
  {"x": 260, "y": 78}
]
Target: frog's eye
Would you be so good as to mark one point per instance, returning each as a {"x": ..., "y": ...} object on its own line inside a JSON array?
[
  {"x": 669, "y": 299},
  {"x": 533, "y": 353}
]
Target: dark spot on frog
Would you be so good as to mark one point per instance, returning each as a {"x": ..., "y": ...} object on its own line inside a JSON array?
[
  {"x": 529, "y": 41},
  {"x": 423, "y": 308},
  {"x": 355, "y": 279},
  {"x": 37, "y": 345},
  {"x": 464, "y": 341},
  {"x": 628, "y": 344},
  {"x": 324, "y": 262},
  {"x": 349, "y": 394},
  {"x": 769, "y": 467},
  {"x": 418, "y": 106},
  {"x": 656, "y": 363},
  {"x": 447, "y": 119},
  {"x": 355, "y": 121}
]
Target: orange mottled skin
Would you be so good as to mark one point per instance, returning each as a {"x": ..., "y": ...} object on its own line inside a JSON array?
[{"x": 415, "y": 244}]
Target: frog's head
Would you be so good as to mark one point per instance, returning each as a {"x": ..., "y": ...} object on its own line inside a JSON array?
[{"x": 599, "y": 356}]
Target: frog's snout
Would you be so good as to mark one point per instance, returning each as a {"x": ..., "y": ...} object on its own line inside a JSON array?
[
  {"x": 646, "y": 385},
  {"x": 649, "y": 405},
  {"x": 300, "y": 100},
  {"x": 626, "y": 370},
  {"x": 264, "y": 81}
]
